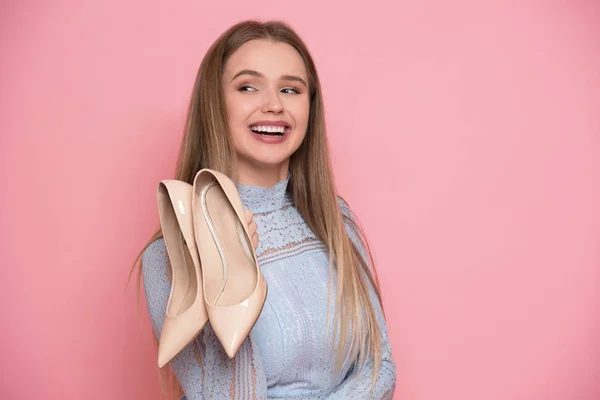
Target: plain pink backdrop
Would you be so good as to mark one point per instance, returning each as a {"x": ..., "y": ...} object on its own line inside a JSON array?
[{"x": 465, "y": 135}]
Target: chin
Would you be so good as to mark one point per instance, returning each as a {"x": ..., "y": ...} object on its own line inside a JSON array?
[
  {"x": 266, "y": 156},
  {"x": 270, "y": 163}
]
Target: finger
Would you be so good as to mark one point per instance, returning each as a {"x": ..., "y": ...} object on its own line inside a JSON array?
[
  {"x": 255, "y": 241},
  {"x": 252, "y": 227},
  {"x": 249, "y": 215}
]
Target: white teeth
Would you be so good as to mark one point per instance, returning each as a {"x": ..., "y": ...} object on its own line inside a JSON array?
[{"x": 270, "y": 129}]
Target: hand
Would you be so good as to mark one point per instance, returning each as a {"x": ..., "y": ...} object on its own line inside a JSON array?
[{"x": 252, "y": 228}]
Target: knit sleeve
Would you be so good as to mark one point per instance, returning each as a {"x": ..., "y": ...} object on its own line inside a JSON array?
[
  {"x": 358, "y": 384},
  {"x": 202, "y": 368}
]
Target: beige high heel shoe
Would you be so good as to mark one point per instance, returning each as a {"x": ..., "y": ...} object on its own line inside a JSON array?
[
  {"x": 186, "y": 313},
  {"x": 234, "y": 288}
]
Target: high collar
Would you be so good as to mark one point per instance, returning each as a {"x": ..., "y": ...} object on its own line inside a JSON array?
[{"x": 260, "y": 199}]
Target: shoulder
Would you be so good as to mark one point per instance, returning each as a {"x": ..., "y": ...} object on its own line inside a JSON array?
[
  {"x": 350, "y": 221},
  {"x": 350, "y": 218},
  {"x": 155, "y": 255},
  {"x": 344, "y": 208},
  {"x": 353, "y": 228}
]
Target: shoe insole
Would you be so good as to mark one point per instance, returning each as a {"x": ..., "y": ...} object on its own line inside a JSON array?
[
  {"x": 190, "y": 289},
  {"x": 230, "y": 275},
  {"x": 184, "y": 280}
]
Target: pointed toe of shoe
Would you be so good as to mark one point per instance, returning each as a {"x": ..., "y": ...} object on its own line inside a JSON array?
[
  {"x": 232, "y": 349},
  {"x": 232, "y": 332},
  {"x": 171, "y": 342},
  {"x": 232, "y": 324},
  {"x": 178, "y": 332},
  {"x": 164, "y": 356}
]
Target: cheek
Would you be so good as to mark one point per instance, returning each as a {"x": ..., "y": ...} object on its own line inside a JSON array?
[
  {"x": 300, "y": 111},
  {"x": 246, "y": 106},
  {"x": 239, "y": 109}
]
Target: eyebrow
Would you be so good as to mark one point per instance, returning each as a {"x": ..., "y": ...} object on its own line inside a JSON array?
[{"x": 259, "y": 75}]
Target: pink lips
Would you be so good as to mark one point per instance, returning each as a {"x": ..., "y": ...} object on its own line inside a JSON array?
[
  {"x": 270, "y": 139},
  {"x": 271, "y": 123}
]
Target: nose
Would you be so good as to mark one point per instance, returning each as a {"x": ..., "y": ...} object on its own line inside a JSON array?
[{"x": 272, "y": 102}]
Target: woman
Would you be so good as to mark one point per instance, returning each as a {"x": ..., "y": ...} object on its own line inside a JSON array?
[{"x": 256, "y": 115}]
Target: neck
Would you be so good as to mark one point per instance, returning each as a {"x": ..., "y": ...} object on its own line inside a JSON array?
[{"x": 261, "y": 175}]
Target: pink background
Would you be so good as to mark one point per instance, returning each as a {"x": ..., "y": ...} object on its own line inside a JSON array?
[{"x": 465, "y": 134}]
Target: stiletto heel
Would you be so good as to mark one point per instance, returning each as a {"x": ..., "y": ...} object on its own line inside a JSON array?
[
  {"x": 234, "y": 288},
  {"x": 186, "y": 313}
]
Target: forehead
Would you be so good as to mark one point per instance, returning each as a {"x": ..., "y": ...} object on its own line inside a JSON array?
[{"x": 271, "y": 59}]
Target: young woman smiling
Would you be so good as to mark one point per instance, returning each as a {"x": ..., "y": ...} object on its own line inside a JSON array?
[{"x": 256, "y": 115}]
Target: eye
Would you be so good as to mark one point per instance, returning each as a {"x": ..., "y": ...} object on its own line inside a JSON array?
[
  {"x": 290, "y": 91},
  {"x": 246, "y": 88}
]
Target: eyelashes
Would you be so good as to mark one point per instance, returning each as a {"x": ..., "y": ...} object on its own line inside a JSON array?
[
  {"x": 245, "y": 88},
  {"x": 293, "y": 89}
]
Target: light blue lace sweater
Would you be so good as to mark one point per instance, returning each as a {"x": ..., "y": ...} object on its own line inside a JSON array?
[{"x": 288, "y": 352}]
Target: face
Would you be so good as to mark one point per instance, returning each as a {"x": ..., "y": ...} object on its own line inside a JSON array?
[{"x": 267, "y": 100}]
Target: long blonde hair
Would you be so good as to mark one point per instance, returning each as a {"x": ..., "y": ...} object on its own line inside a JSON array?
[{"x": 206, "y": 144}]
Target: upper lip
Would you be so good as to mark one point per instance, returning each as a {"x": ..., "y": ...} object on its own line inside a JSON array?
[{"x": 270, "y": 123}]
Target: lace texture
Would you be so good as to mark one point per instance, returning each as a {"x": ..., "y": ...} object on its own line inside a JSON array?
[
  {"x": 288, "y": 353},
  {"x": 203, "y": 368}
]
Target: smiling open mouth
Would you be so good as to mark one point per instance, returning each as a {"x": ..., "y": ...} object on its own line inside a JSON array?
[{"x": 269, "y": 130}]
